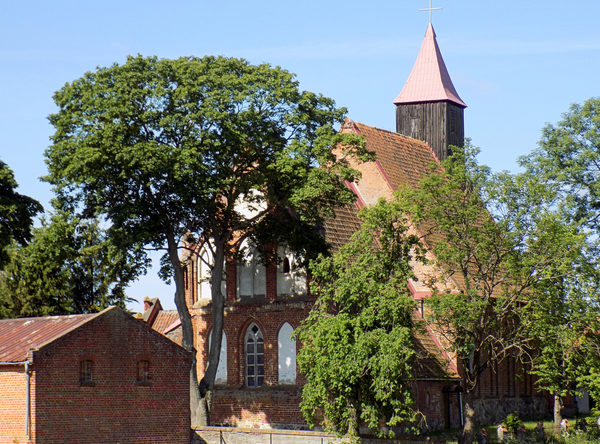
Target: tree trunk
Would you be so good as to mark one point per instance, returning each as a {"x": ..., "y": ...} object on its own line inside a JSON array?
[
  {"x": 218, "y": 307},
  {"x": 187, "y": 341},
  {"x": 469, "y": 415},
  {"x": 353, "y": 424},
  {"x": 558, "y": 406}
]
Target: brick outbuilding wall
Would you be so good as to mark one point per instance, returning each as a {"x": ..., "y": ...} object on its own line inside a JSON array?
[
  {"x": 116, "y": 405},
  {"x": 13, "y": 403}
]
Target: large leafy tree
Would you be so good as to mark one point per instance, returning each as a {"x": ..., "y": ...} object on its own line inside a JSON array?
[
  {"x": 16, "y": 214},
  {"x": 568, "y": 157},
  {"x": 496, "y": 238},
  {"x": 567, "y": 164},
  {"x": 565, "y": 325},
  {"x": 556, "y": 259},
  {"x": 211, "y": 150},
  {"x": 356, "y": 343},
  {"x": 70, "y": 266},
  {"x": 449, "y": 209}
]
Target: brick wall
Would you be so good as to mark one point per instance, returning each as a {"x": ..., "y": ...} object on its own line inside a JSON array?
[
  {"x": 13, "y": 403},
  {"x": 267, "y": 406},
  {"x": 440, "y": 410},
  {"x": 116, "y": 408},
  {"x": 272, "y": 404},
  {"x": 219, "y": 435},
  {"x": 506, "y": 388}
]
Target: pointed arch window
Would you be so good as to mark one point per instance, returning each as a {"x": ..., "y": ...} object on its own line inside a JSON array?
[
  {"x": 255, "y": 357},
  {"x": 286, "y": 265},
  {"x": 286, "y": 347}
]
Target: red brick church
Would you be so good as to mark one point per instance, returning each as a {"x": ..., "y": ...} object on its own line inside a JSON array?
[{"x": 258, "y": 382}]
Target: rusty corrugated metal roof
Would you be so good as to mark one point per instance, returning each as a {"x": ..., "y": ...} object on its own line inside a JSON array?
[{"x": 18, "y": 336}]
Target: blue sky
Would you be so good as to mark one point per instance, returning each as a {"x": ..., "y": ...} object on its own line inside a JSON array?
[{"x": 517, "y": 64}]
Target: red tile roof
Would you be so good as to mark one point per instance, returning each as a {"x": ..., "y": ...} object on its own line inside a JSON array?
[
  {"x": 164, "y": 319},
  {"x": 404, "y": 160},
  {"x": 431, "y": 361},
  {"x": 340, "y": 229},
  {"x": 19, "y": 336},
  {"x": 429, "y": 80}
]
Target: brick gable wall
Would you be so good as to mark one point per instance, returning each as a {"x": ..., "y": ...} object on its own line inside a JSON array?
[{"x": 116, "y": 408}]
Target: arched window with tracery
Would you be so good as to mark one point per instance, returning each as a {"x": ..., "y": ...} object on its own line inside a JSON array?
[{"x": 255, "y": 357}]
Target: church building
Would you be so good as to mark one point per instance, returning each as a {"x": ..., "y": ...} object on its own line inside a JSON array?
[{"x": 258, "y": 382}]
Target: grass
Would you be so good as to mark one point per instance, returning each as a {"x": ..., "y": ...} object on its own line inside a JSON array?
[{"x": 574, "y": 436}]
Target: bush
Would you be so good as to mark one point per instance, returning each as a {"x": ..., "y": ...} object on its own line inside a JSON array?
[{"x": 512, "y": 421}]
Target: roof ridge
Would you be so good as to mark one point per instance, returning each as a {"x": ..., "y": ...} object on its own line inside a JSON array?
[
  {"x": 32, "y": 318},
  {"x": 392, "y": 132}
]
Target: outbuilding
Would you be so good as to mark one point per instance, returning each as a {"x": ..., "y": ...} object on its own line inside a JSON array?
[{"x": 93, "y": 378}]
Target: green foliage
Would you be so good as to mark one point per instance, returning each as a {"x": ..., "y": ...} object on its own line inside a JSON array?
[
  {"x": 16, "y": 214},
  {"x": 356, "y": 343},
  {"x": 564, "y": 303},
  {"x": 512, "y": 421},
  {"x": 70, "y": 266},
  {"x": 449, "y": 207},
  {"x": 568, "y": 157},
  {"x": 525, "y": 272},
  {"x": 212, "y": 149},
  {"x": 179, "y": 146},
  {"x": 555, "y": 266}
]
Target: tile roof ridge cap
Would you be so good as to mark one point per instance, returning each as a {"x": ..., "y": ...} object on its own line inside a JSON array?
[
  {"x": 442, "y": 349},
  {"x": 172, "y": 326},
  {"x": 394, "y": 133}
]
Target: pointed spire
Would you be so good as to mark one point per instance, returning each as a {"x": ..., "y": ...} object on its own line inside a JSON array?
[{"x": 429, "y": 80}]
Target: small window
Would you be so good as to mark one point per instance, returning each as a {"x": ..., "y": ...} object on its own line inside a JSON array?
[
  {"x": 255, "y": 365},
  {"x": 286, "y": 265},
  {"x": 143, "y": 371},
  {"x": 143, "y": 377},
  {"x": 86, "y": 372}
]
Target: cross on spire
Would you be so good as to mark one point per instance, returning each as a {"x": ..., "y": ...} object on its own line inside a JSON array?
[{"x": 430, "y": 9}]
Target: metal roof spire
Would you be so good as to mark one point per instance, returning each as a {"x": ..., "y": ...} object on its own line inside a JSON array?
[
  {"x": 429, "y": 80},
  {"x": 430, "y": 9}
]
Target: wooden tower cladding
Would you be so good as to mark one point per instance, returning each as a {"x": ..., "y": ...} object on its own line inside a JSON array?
[
  {"x": 429, "y": 108},
  {"x": 440, "y": 124}
]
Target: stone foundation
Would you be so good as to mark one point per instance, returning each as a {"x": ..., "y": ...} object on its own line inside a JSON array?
[{"x": 494, "y": 411}]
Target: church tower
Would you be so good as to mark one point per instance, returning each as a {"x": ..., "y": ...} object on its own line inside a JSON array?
[{"x": 429, "y": 108}]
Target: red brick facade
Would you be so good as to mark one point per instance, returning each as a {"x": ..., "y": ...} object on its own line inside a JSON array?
[
  {"x": 114, "y": 406},
  {"x": 13, "y": 403},
  {"x": 402, "y": 161},
  {"x": 236, "y": 404}
]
